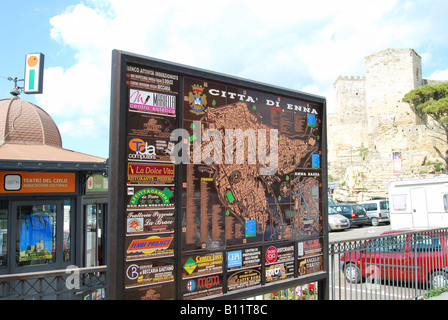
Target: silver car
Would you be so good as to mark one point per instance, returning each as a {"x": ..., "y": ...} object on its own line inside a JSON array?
[
  {"x": 377, "y": 211},
  {"x": 337, "y": 221}
]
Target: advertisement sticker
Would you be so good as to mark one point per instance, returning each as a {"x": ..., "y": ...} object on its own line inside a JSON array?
[
  {"x": 159, "y": 291},
  {"x": 148, "y": 149},
  {"x": 37, "y": 182},
  {"x": 150, "y": 173},
  {"x": 150, "y": 126},
  {"x": 310, "y": 255},
  {"x": 200, "y": 287},
  {"x": 147, "y": 272},
  {"x": 201, "y": 264},
  {"x": 138, "y": 248},
  {"x": 279, "y": 262},
  {"x": 152, "y": 102},
  {"x": 310, "y": 265},
  {"x": 150, "y": 221},
  {"x": 150, "y": 197},
  {"x": 271, "y": 254},
  {"x": 241, "y": 279},
  {"x": 234, "y": 259},
  {"x": 144, "y": 78},
  {"x": 279, "y": 271}
]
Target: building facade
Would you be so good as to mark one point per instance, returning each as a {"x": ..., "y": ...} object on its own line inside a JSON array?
[{"x": 53, "y": 201}]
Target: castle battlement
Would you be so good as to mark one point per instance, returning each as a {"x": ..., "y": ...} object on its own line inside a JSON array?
[{"x": 350, "y": 78}]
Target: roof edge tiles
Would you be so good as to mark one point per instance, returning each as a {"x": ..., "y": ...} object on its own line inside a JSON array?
[{"x": 12, "y": 151}]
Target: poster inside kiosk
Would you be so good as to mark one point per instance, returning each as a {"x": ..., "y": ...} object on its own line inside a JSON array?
[{"x": 38, "y": 182}]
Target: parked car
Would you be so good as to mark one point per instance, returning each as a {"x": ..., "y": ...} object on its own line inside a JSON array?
[
  {"x": 377, "y": 211},
  {"x": 337, "y": 221},
  {"x": 354, "y": 212},
  {"x": 400, "y": 256}
]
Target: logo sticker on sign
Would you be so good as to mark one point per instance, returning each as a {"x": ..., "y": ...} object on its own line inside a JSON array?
[
  {"x": 234, "y": 259},
  {"x": 13, "y": 182},
  {"x": 271, "y": 254}
]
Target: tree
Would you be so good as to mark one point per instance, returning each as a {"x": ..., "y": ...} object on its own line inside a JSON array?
[{"x": 431, "y": 101}]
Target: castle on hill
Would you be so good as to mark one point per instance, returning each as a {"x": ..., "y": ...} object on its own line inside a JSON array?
[{"x": 373, "y": 136}]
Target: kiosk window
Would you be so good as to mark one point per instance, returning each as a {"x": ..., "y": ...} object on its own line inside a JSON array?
[
  {"x": 66, "y": 241},
  {"x": 399, "y": 202},
  {"x": 36, "y": 234},
  {"x": 445, "y": 202}
]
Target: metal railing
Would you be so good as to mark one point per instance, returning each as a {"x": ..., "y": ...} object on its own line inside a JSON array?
[
  {"x": 67, "y": 284},
  {"x": 395, "y": 266}
]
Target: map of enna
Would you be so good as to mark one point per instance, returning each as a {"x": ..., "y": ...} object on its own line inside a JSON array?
[{"x": 284, "y": 205}]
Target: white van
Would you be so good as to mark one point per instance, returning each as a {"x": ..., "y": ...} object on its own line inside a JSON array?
[
  {"x": 377, "y": 211},
  {"x": 419, "y": 203}
]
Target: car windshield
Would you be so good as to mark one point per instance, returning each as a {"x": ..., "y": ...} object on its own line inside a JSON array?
[
  {"x": 387, "y": 244},
  {"x": 342, "y": 209},
  {"x": 370, "y": 206},
  {"x": 425, "y": 243},
  {"x": 331, "y": 211},
  {"x": 358, "y": 209},
  {"x": 384, "y": 205}
]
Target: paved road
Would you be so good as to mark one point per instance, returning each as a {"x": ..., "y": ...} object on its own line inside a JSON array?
[{"x": 358, "y": 233}]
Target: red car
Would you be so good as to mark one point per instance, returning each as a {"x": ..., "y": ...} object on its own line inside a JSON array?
[{"x": 400, "y": 256}]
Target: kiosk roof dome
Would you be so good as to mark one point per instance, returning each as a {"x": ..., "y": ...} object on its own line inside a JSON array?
[{"x": 22, "y": 122}]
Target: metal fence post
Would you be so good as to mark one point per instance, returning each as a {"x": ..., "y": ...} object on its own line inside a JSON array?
[{"x": 414, "y": 243}]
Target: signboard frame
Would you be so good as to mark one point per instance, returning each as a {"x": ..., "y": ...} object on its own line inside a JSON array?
[
  {"x": 34, "y": 73},
  {"x": 119, "y": 151},
  {"x": 23, "y": 182}
]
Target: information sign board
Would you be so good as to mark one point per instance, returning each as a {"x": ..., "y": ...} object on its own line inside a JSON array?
[
  {"x": 34, "y": 73},
  {"x": 217, "y": 185}
]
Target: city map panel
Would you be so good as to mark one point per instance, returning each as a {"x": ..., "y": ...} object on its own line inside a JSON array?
[{"x": 228, "y": 203}]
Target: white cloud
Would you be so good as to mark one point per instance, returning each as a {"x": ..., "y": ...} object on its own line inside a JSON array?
[
  {"x": 439, "y": 75},
  {"x": 294, "y": 44},
  {"x": 81, "y": 127},
  {"x": 80, "y": 91}
]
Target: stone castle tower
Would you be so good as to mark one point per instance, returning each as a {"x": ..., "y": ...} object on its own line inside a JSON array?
[{"x": 374, "y": 137}]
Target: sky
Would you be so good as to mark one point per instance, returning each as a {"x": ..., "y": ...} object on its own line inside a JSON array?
[{"x": 299, "y": 45}]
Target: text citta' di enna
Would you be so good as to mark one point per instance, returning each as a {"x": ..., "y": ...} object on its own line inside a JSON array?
[{"x": 302, "y": 107}]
